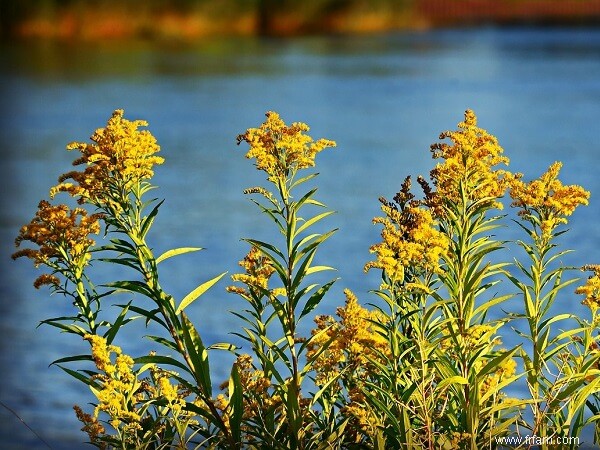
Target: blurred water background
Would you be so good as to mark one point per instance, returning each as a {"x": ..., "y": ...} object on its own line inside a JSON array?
[{"x": 383, "y": 98}]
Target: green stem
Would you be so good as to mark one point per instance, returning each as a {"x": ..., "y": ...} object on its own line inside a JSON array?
[{"x": 290, "y": 219}]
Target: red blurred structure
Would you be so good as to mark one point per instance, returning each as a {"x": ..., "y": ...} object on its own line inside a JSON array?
[{"x": 447, "y": 12}]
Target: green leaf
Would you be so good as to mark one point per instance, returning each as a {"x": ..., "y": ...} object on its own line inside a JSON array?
[
  {"x": 75, "y": 329},
  {"x": 202, "y": 412},
  {"x": 149, "y": 315},
  {"x": 119, "y": 322},
  {"x": 129, "y": 262},
  {"x": 158, "y": 359},
  {"x": 188, "y": 299},
  {"x": 166, "y": 342},
  {"x": 313, "y": 220},
  {"x": 304, "y": 180},
  {"x": 175, "y": 252},
  {"x": 236, "y": 403},
  {"x": 198, "y": 355},
  {"x": 132, "y": 286},
  {"x": 308, "y": 243},
  {"x": 149, "y": 220},
  {"x": 71, "y": 359},
  {"x": 293, "y": 408},
  {"x": 302, "y": 270},
  {"x": 493, "y": 302},
  {"x": 496, "y": 361},
  {"x": 315, "y": 299},
  {"x": 223, "y": 346},
  {"x": 78, "y": 375},
  {"x": 457, "y": 379},
  {"x": 121, "y": 246},
  {"x": 265, "y": 248}
]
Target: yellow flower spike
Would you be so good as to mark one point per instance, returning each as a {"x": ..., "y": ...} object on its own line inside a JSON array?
[
  {"x": 591, "y": 289},
  {"x": 409, "y": 239},
  {"x": 61, "y": 235},
  {"x": 119, "y": 157},
  {"x": 546, "y": 201},
  {"x": 258, "y": 270},
  {"x": 470, "y": 161},
  {"x": 91, "y": 426},
  {"x": 353, "y": 340},
  {"x": 255, "y": 384},
  {"x": 100, "y": 351},
  {"x": 280, "y": 149},
  {"x": 118, "y": 383}
]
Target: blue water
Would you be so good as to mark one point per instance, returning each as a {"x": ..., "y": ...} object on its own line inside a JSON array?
[{"x": 384, "y": 99}]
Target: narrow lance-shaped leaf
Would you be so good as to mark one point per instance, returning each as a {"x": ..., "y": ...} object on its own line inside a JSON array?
[
  {"x": 69, "y": 328},
  {"x": 315, "y": 299},
  {"x": 163, "y": 341},
  {"x": 236, "y": 403},
  {"x": 175, "y": 252},
  {"x": 132, "y": 286},
  {"x": 198, "y": 355},
  {"x": 152, "y": 315},
  {"x": 118, "y": 323},
  {"x": 158, "y": 359},
  {"x": 81, "y": 377},
  {"x": 149, "y": 220},
  {"x": 196, "y": 293},
  {"x": 71, "y": 359}
]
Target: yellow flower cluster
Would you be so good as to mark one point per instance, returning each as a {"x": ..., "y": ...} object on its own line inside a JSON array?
[
  {"x": 169, "y": 392},
  {"x": 258, "y": 270},
  {"x": 120, "y": 157},
  {"x": 362, "y": 418},
  {"x": 255, "y": 386},
  {"x": 119, "y": 383},
  {"x": 280, "y": 149},
  {"x": 410, "y": 240},
  {"x": 546, "y": 200},
  {"x": 474, "y": 338},
  {"x": 507, "y": 369},
  {"x": 591, "y": 289},
  {"x": 91, "y": 426},
  {"x": 122, "y": 396},
  {"x": 458, "y": 440},
  {"x": 62, "y": 235},
  {"x": 473, "y": 341},
  {"x": 469, "y": 163},
  {"x": 355, "y": 340}
]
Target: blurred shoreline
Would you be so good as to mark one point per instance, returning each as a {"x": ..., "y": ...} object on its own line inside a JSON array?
[{"x": 193, "y": 19}]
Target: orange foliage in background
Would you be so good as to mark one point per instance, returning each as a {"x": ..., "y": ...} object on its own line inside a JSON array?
[{"x": 118, "y": 20}]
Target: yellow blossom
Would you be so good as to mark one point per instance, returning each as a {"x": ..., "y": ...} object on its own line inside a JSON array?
[
  {"x": 118, "y": 383},
  {"x": 546, "y": 202},
  {"x": 120, "y": 156},
  {"x": 591, "y": 289},
  {"x": 471, "y": 340},
  {"x": 363, "y": 418},
  {"x": 91, "y": 426},
  {"x": 259, "y": 269},
  {"x": 62, "y": 235},
  {"x": 469, "y": 164},
  {"x": 280, "y": 149},
  {"x": 352, "y": 341},
  {"x": 255, "y": 386},
  {"x": 409, "y": 240},
  {"x": 506, "y": 370},
  {"x": 101, "y": 353}
]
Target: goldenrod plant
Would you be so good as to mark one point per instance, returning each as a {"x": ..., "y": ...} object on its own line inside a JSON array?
[
  {"x": 279, "y": 413},
  {"x": 423, "y": 366},
  {"x": 557, "y": 372},
  {"x": 131, "y": 412}
]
